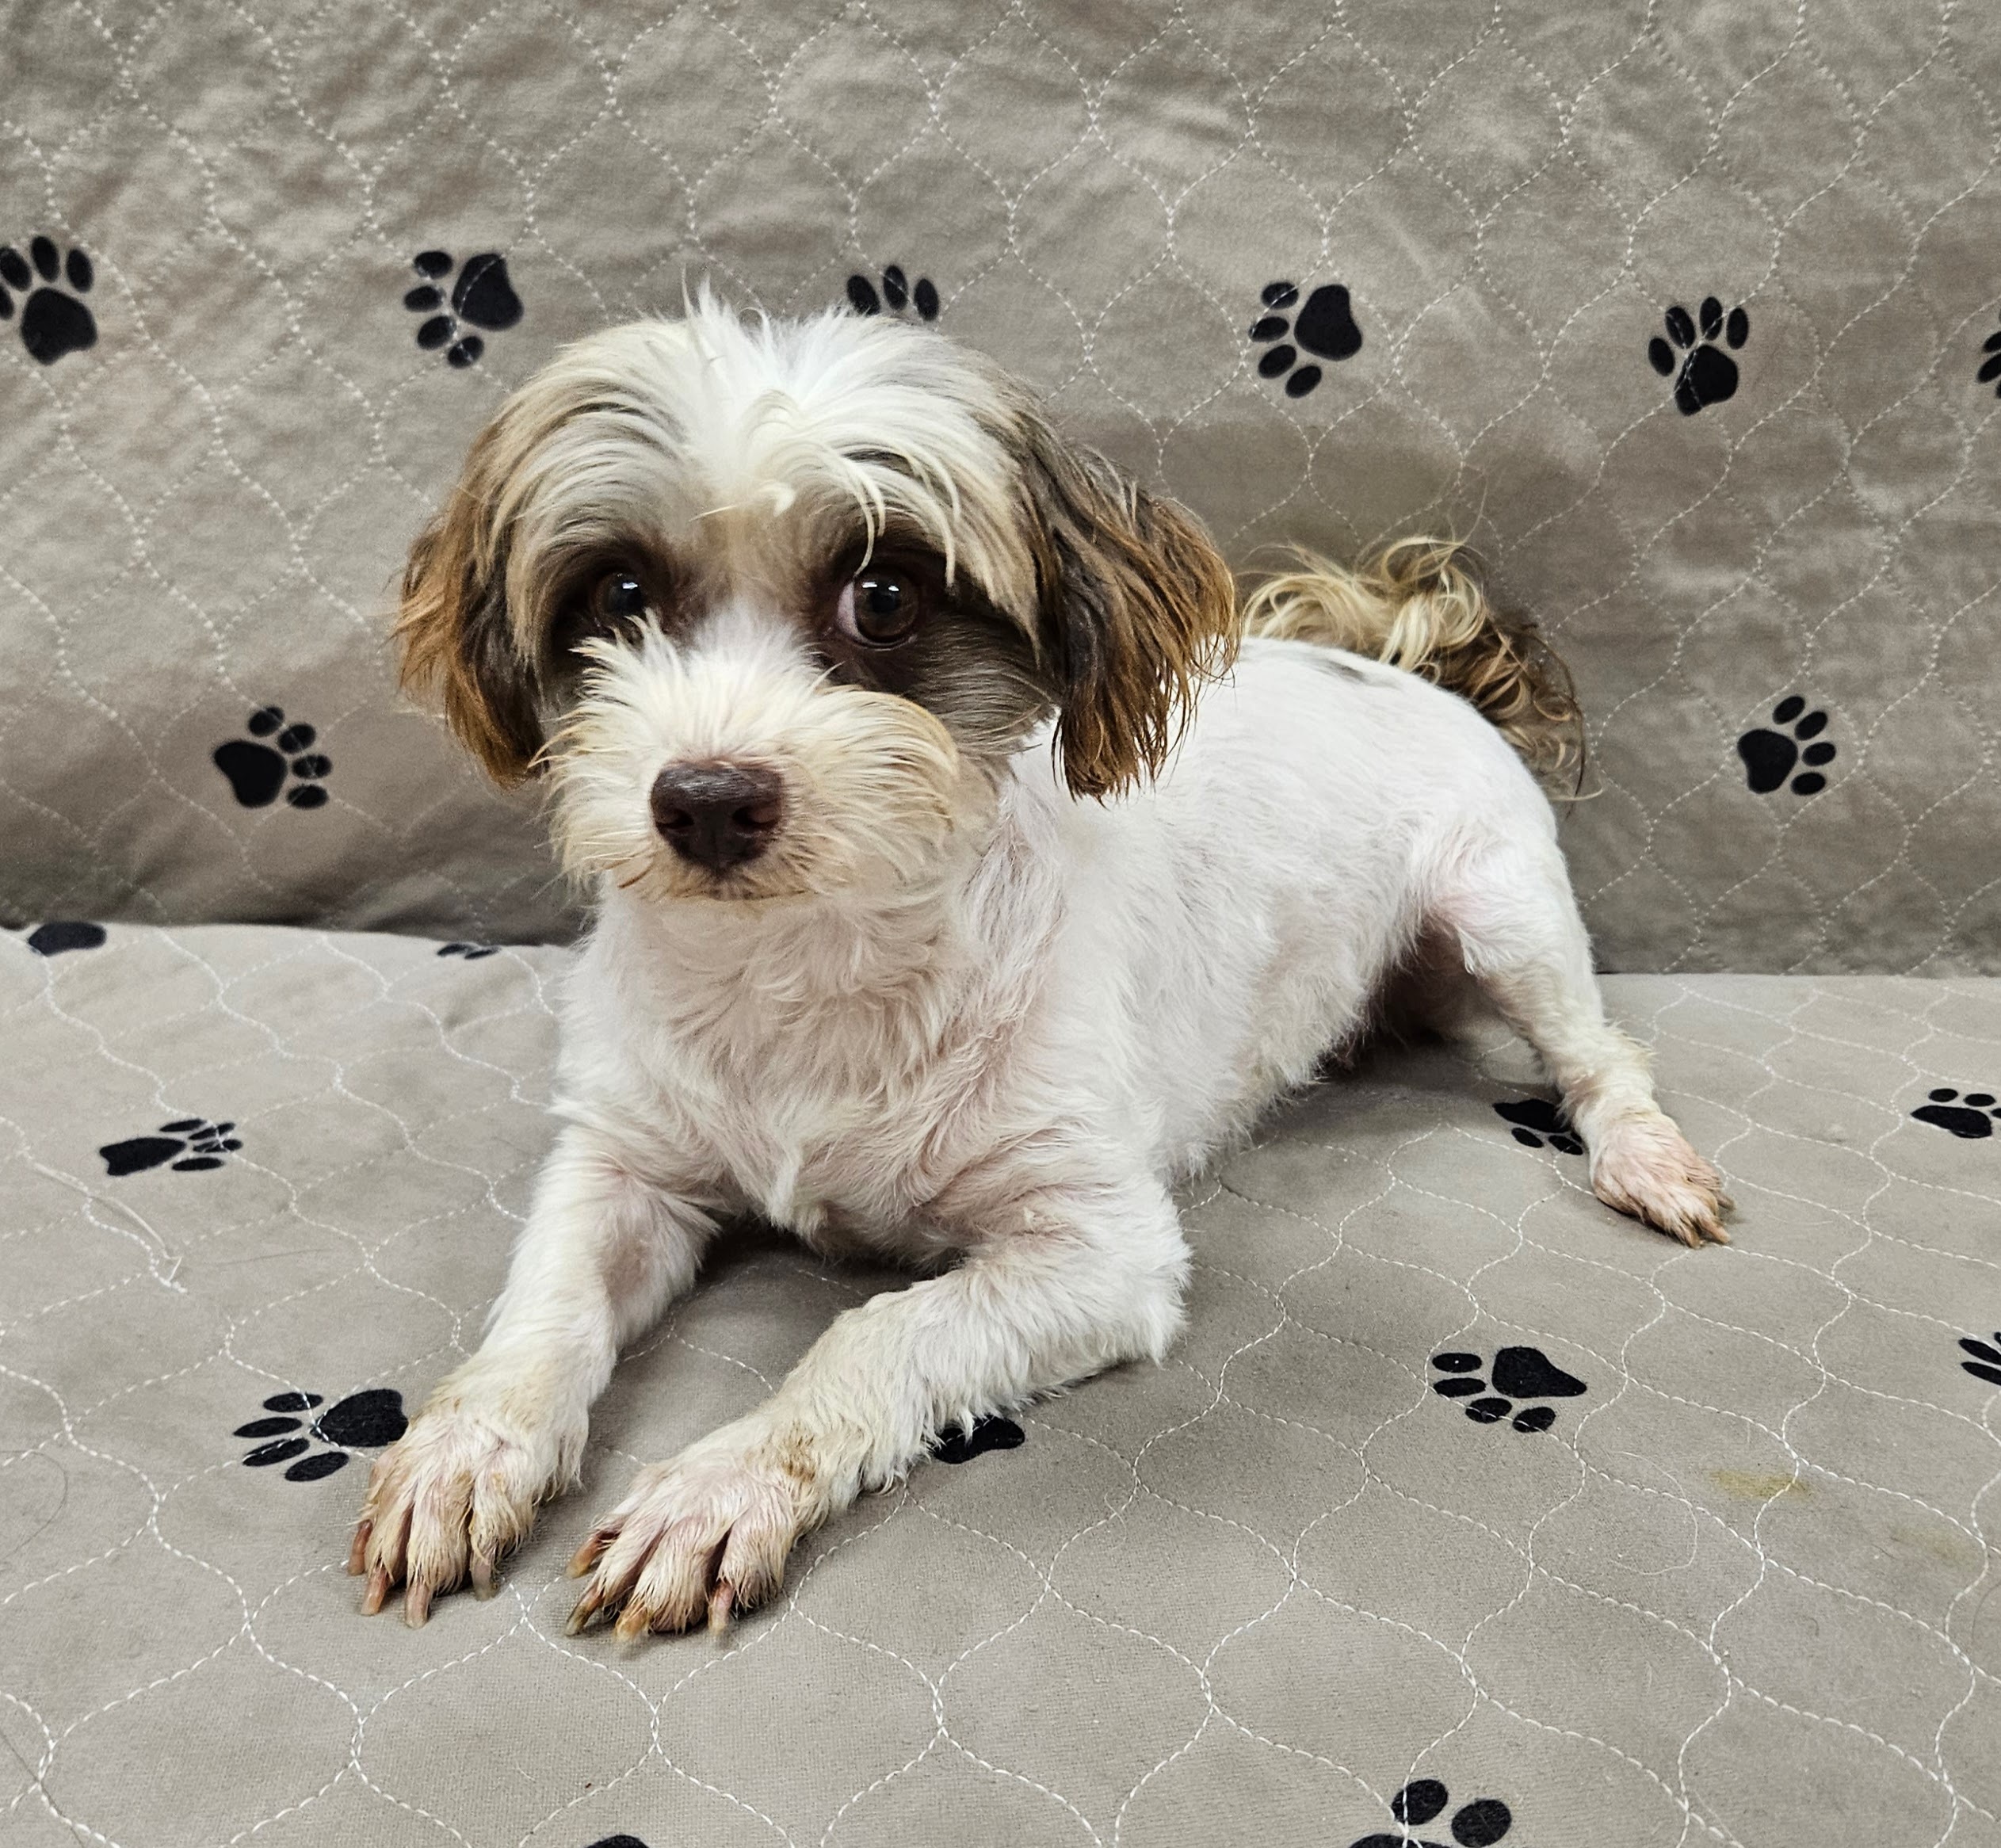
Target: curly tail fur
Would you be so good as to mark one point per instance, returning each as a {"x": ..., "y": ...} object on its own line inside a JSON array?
[{"x": 1418, "y": 604}]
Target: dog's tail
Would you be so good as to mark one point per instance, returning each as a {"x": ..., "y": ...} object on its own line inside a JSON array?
[{"x": 1418, "y": 604}]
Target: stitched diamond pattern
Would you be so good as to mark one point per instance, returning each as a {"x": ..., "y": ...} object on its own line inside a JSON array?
[{"x": 203, "y": 513}]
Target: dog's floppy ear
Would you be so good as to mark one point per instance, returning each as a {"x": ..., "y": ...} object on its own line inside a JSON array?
[
  {"x": 458, "y": 646},
  {"x": 1136, "y": 609}
]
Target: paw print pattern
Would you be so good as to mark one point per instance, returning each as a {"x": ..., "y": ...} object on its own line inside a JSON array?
[
  {"x": 618, "y": 1842},
  {"x": 482, "y": 297},
  {"x": 1519, "y": 1372},
  {"x": 897, "y": 294},
  {"x": 1478, "y": 1824},
  {"x": 987, "y": 1434},
  {"x": 1538, "y": 1121},
  {"x": 256, "y": 772},
  {"x": 471, "y": 952},
  {"x": 1986, "y": 1363},
  {"x": 1990, "y": 372},
  {"x": 1708, "y": 374},
  {"x": 1769, "y": 756},
  {"x": 1326, "y": 326},
  {"x": 197, "y": 1143},
  {"x": 362, "y": 1421},
  {"x": 55, "y": 937},
  {"x": 1971, "y": 1117},
  {"x": 53, "y": 321}
]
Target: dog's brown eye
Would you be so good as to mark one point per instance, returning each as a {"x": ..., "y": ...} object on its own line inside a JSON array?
[
  {"x": 880, "y": 607},
  {"x": 618, "y": 597}
]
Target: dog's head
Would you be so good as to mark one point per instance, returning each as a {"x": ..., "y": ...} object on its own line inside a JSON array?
[{"x": 775, "y": 602}]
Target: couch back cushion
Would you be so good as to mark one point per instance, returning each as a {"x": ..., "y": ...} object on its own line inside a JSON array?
[{"x": 1687, "y": 319}]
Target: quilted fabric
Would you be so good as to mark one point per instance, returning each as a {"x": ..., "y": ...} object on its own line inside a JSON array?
[
  {"x": 1462, "y": 1502},
  {"x": 1685, "y": 313}
]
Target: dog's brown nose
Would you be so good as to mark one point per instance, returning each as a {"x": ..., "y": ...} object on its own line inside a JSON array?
[{"x": 717, "y": 815}]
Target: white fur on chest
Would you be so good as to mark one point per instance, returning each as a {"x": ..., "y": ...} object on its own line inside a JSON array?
[{"x": 1148, "y": 972}]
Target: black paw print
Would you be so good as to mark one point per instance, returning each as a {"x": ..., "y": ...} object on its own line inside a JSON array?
[
  {"x": 53, "y": 938},
  {"x": 256, "y": 772},
  {"x": 362, "y": 1421},
  {"x": 1971, "y": 1117},
  {"x": 618, "y": 1842},
  {"x": 471, "y": 952},
  {"x": 1986, "y": 1363},
  {"x": 1769, "y": 756},
  {"x": 987, "y": 1434},
  {"x": 483, "y": 297},
  {"x": 1326, "y": 326},
  {"x": 1478, "y": 1824},
  {"x": 52, "y": 323},
  {"x": 198, "y": 1143},
  {"x": 1538, "y": 1121},
  {"x": 896, "y": 291},
  {"x": 1708, "y": 375},
  {"x": 1989, "y": 370},
  {"x": 1519, "y": 1372}
]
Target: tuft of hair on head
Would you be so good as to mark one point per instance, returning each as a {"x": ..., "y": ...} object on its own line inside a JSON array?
[
  {"x": 1417, "y": 604},
  {"x": 1137, "y": 610}
]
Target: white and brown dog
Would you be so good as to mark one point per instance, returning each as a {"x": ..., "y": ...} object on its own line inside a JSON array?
[{"x": 935, "y": 914}]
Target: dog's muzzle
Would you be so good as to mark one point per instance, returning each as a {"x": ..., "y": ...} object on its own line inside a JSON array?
[{"x": 717, "y": 815}]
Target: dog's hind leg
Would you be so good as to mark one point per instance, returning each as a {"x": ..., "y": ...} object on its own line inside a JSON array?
[{"x": 1508, "y": 905}]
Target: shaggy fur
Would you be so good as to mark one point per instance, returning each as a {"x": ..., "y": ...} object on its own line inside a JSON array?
[{"x": 1039, "y": 901}]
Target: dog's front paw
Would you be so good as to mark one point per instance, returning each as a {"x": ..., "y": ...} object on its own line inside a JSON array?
[
  {"x": 1644, "y": 1166},
  {"x": 707, "y": 1534},
  {"x": 459, "y": 1489}
]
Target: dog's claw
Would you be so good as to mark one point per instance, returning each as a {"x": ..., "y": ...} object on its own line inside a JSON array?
[
  {"x": 417, "y": 1603},
  {"x": 632, "y": 1622},
  {"x": 357, "y": 1553},
  {"x": 484, "y": 1582},
  {"x": 377, "y": 1592},
  {"x": 586, "y": 1609},
  {"x": 593, "y": 1550},
  {"x": 721, "y": 1601}
]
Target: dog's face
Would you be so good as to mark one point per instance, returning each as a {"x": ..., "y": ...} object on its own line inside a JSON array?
[{"x": 775, "y": 603}]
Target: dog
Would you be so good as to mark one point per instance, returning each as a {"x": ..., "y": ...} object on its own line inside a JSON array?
[{"x": 971, "y": 864}]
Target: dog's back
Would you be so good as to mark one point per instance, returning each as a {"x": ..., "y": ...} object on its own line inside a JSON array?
[{"x": 1418, "y": 604}]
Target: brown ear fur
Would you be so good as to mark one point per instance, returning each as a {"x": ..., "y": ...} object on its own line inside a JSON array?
[
  {"x": 1137, "y": 610},
  {"x": 458, "y": 648}
]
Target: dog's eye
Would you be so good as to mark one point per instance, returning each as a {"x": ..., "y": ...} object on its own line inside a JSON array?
[
  {"x": 618, "y": 597},
  {"x": 880, "y": 607}
]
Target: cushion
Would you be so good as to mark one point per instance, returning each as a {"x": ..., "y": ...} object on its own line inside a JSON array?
[
  {"x": 1684, "y": 316},
  {"x": 1462, "y": 1503}
]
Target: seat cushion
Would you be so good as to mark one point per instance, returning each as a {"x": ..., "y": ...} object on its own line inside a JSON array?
[{"x": 1462, "y": 1501}]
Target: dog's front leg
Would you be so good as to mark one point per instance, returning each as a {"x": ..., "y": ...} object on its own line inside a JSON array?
[
  {"x": 1081, "y": 1277},
  {"x": 603, "y": 1253}
]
